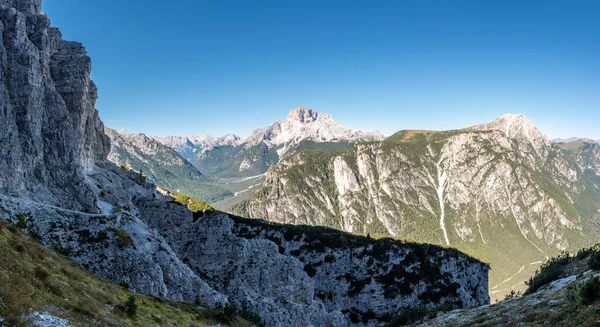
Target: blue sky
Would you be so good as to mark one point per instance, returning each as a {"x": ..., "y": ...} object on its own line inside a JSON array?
[{"x": 185, "y": 67}]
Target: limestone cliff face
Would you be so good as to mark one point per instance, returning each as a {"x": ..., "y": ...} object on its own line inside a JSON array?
[
  {"x": 491, "y": 190},
  {"x": 50, "y": 130}
]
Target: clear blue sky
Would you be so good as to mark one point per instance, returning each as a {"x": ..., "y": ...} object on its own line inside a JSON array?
[{"x": 183, "y": 67}]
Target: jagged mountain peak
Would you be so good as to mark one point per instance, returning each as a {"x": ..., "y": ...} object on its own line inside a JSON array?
[
  {"x": 307, "y": 124},
  {"x": 230, "y": 139},
  {"x": 305, "y": 116}
]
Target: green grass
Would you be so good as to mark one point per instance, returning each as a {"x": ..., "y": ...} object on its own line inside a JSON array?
[
  {"x": 195, "y": 205},
  {"x": 35, "y": 278}
]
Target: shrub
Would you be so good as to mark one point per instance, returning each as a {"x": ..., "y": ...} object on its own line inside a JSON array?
[
  {"x": 195, "y": 205},
  {"x": 225, "y": 313},
  {"x": 549, "y": 272},
  {"x": 124, "y": 240},
  {"x": 410, "y": 316},
  {"x": 58, "y": 248},
  {"x": 131, "y": 306},
  {"x": 589, "y": 290},
  {"x": 594, "y": 262},
  {"x": 513, "y": 294},
  {"x": 198, "y": 302},
  {"x": 141, "y": 179},
  {"x": 251, "y": 317},
  {"x": 21, "y": 223}
]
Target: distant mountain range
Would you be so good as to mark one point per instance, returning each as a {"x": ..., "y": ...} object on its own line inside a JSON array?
[
  {"x": 222, "y": 170},
  {"x": 572, "y": 139},
  {"x": 162, "y": 165},
  {"x": 231, "y": 156}
]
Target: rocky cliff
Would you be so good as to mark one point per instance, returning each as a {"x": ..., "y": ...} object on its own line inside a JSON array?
[
  {"x": 500, "y": 190},
  {"x": 50, "y": 130},
  {"x": 56, "y": 186}
]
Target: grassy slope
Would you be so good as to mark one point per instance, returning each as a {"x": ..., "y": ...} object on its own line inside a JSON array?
[{"x": 32, "y": 277}]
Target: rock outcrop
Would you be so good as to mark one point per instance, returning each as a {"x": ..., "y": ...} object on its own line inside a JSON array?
[{"x": 50, "y": 130}]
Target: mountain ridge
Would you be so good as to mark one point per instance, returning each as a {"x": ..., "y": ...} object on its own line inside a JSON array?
[{"x": 232, "y": 156}]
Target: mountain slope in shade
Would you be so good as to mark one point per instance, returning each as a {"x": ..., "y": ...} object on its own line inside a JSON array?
[
  {"x": 162, "y": 165},
  {"x": 232, "y": 156},
  {"x": 500, "y": 190}
]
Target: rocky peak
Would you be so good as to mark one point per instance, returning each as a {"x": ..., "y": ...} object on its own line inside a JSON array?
[
  {"x": 229, "y": 139},
  {"x": 517, "y": 126},
  {"x": 27, "y": 6},
  {"x": 513, "y": 126},
  {"x": 303, "y": 115}
]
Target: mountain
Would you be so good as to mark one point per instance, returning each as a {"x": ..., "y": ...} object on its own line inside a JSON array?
[
  {"x": 58, "y": 188},
  {"x": 231, "y": 156},
  {"x": 162, "y": 165},
  {"x": 586, "y": 154},
  {"x": 501, "y": 191},
  {"x": 573, "y": 139}
]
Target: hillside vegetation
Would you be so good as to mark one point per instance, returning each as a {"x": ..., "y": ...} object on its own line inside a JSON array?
[{"x": 34, "y": 279}]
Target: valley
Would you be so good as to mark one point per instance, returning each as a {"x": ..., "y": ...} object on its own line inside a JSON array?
[{"x": 302, "y": 223}]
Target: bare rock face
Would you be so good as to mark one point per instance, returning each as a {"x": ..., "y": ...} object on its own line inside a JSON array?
[
  {"x": 26, "y": 6},
  {"x": 586, "y": 154},
  {"x": 320, "y": 277},
  {"x": 303, "y": 115},
  {"x": 48, "y": 122}
]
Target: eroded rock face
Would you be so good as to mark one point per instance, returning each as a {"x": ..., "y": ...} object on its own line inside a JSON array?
[
  {"x": 293, "y": 278},
  {"x": 27, "y": 6},
  {"x": 49, "y": 126}
]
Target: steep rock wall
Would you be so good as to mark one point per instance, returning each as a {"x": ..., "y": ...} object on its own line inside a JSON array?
[{"x": 48, "y": 123}]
